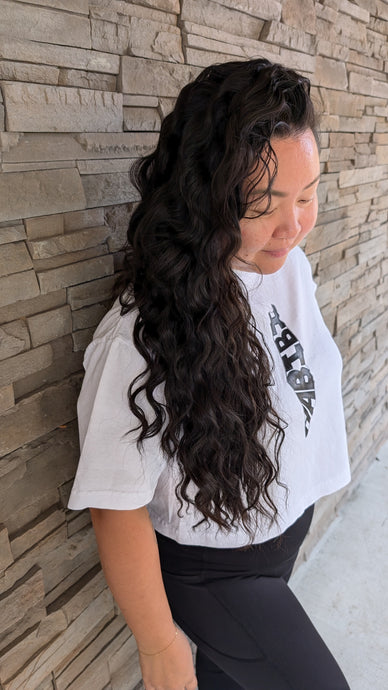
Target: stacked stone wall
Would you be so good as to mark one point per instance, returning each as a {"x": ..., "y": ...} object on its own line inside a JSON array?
[{"x": 83, "y": 88}]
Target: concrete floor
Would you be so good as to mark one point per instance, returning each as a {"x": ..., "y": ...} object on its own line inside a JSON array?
[{"x": 343, "y": 585}]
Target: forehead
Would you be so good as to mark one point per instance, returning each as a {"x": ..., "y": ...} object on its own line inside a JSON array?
[{"x": 295, "y": 162}]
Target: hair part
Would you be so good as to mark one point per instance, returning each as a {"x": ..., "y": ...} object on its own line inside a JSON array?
[{"x": 194, "y": 327}]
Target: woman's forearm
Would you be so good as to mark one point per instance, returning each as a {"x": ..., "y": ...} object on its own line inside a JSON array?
[{"x": 130, "y": 560}]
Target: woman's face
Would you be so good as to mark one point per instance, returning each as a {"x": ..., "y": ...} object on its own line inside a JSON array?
[{"x": 267, "y": 240}]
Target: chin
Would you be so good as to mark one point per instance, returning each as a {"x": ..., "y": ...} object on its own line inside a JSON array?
[{"x": 270, "y": 264}]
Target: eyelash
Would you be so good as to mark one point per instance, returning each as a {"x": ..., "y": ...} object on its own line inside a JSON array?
[{"x": 305, "y": 202}]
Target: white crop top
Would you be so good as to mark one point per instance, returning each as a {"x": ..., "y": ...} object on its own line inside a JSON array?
[{"x": 113, "y": 473}]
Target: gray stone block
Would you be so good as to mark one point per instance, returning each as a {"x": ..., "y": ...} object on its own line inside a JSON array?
[
  {"x": 218, "y": 16},
  {"x": 34, "y": 417},
  {"x": 154, "y": 40},
  {"x": 108, "y": 188},
  {"x": 58, "y": 55},
  {"x": 18, "y": 286},
  {"x": 61, "y": 109},
  {"x": 19, "y": 71},
  {"x": 87, "y": 80},
  {"x": 69, "y": 242},
  {"x": 44, "y": 192},
  {"x": 47, "y": 25},
  {"x": 49, "y": 325},
  {"x": 7, "y": 399},
  {"x": 91, "y": 292},
  {"x": 14, "y": 258},
  {"x": 139, "y": 76},
  {"x": 300, "y": 14},
  {"x": 73, "y": 274},
  {"x": 12, "y": 233},
  {"x": 142, "y": 119},
  {"x": 14, "y": 338}
]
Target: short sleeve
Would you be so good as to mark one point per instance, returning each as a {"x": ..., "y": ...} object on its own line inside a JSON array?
[{"x": 112, "y": 472}]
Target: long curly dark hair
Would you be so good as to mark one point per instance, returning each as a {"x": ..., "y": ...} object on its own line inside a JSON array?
[{"x": 194, "y": 327}]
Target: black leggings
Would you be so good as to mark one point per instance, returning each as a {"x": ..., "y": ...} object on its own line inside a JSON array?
[{"x": 250, "y": 630}]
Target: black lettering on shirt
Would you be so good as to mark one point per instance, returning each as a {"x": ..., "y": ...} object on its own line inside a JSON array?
[{"x": 298, "y": 375}]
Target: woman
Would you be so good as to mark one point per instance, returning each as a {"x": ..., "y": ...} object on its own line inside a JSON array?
[{"x": 211, "y": 416}]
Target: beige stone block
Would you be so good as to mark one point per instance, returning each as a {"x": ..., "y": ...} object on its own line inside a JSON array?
[
  {"x": 90, "y": 218},
  {"x": 43, "y": 165},
  {"x": 354, "y": 11},
  {"x": 141, "y": 101},
  {"x": 63, "y": 260},
  {"x": 45, "y": 226},
  {"x": 87, "y": 80},
  {"x": 298, "y": 61},
  {"x": 64, "y": 647},
  {"x": 148, "y": 39},
  {"x": 24, "y": 22},
  {"x": 7, "y": 399},
  {"x": 140, "y": 76},
  {"x": 248, "y": 47},
  {"x": 141, "y": 119},
  {"x": 58, "y": 55},
  {"x": 219, "y": 16},
  {"x": 356, "y": 124},
  {"x": 50, "y": 325},
  {"x": 104, "y": 165},
  {"x": 287, "y": 36},
  {"x": 14, "y": 258},
  {"x": 31, "y": 642},
  {"x": 341, "y": 103},
  {"x": 353, "y": 309},
  {"x": 74, "y": 603},
  {"x": 27, "y": 307},
  {"x": 80, "y": 272},
  {"x": 117, "y": 218},
  {"x": 15, "y": 368},
  {"x": 65, "y": 363},
  {"x": 90, "y": 667},
  {"x": 37, "y": 415},
  {"x": 18, "y": 286},
  {"x": 109, "y": 37},
  {"x": 91, "y": 292},
  {"x": 88, "y": 317},
  {"x": 14, "y": 338},
  {"x": 82, "y": 338},
  {"x": 265, "y": 9},
  {"x": 110, "y": 188},
  {"x": 69, "y": 242},
  {"x": 349, "y": 178},
  {"x": 299, "y": 14},
  {"x": 26, "y": 594},
  {"x": 127, "y": 145},
  {"x": 336, "y": 51},
  {"x": 57, "y": 108},
  {"x": 6, "y": 557},
  {"x": 19, "y": 71},
  {"x": 342, "y": 139},
  {"x": 44, "y": 192},
  {"x": 382, "y": 155},
  {"x": 330, "y": 73},
  {"x": 77, "y": 6},
  {"x": 375, "y": 247},
  {"x": 34, "y": 532},
  {"x": 12, "y": 233}
]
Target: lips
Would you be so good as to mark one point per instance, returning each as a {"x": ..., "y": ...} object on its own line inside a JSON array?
[{"x": 278, "y": 253}]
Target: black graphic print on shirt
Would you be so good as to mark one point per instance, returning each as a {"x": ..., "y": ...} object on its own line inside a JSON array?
[{"x": 298, "y": 374}]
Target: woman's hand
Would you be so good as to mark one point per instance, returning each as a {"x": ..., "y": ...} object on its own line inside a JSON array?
[{"x": 171, "y": 669}]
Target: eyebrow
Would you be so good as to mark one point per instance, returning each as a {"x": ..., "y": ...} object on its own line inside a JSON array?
[{"x": 283, "y": 194}]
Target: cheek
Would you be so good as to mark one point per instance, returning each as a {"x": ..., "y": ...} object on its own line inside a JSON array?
[
  {"x": 310, "y": 218},
  {"x": 254, "y": 233}
]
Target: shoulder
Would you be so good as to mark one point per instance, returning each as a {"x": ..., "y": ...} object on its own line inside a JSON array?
[{"x": 114, "y": 332}]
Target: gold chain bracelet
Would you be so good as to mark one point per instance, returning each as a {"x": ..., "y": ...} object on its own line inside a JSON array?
[{"x": 164, "y": 648}]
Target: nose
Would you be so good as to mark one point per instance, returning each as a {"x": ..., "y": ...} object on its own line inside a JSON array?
[{"x": 289, "y": 225}]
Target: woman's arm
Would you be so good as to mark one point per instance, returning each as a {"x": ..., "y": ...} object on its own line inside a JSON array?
[{"x": 130, "y": 560}]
